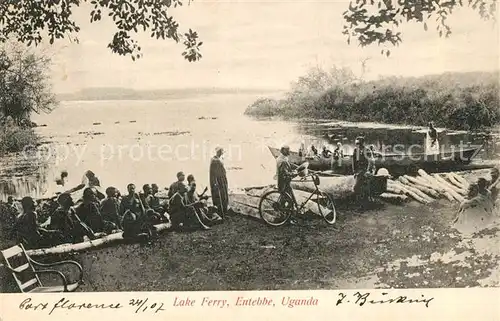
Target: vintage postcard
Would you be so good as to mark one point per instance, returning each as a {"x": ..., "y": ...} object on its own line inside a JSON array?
[{"x": 220, "y": 159}]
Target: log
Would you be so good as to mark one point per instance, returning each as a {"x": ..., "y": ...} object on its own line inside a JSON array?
[
  {"x": 450, "y": 178},
  {"x": 390, "y": 196},
  {"x": 394, "y": 189},
  {"x": 415, "y": 196},
  {"x": 461, "y": 190},
  {"x": 460, "y": 179},
  {"x": 416, "y": 191},
  {"x": 436, "y": 183},
  {"x": 424, "y": 189},
  {"x": 448, "y": 188},
  {"x": 105, "y": 240},
  {"x": 422, "y": 182}
]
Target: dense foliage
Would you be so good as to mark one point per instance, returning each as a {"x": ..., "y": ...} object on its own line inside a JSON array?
[
  {"x": 24, "y": 89},
  {"x": 465, "y": 101},
  {"x": 379, "y": 21},
  {"x": 31, "y": 21}
]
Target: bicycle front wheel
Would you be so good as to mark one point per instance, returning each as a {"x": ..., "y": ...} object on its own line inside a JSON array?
[
  {"x": 327, "y": 208},
  {"x": 275, "y": 208}
]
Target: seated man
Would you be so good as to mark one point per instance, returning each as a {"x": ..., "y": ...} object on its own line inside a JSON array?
[
  {"x": 138, "y": 224},
  {"x": 29, "y": 231},
  {"x": 175, "y": 186},
  {"x": 65, "y": 220},
  {"x": 88, "y": 211},
  {"x": 183, "y": 213},
  {"x": 132, "y": 202},
  {"x": 110, "y": 207},
  {"x": 198, "y": 201}
]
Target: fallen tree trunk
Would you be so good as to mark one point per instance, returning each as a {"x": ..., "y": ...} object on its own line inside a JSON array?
[
  {"x": 455, "y": 182},
  {"x": 444, "y": 191},
  {"x": 448, "y": 188},
  {"x": 423, "y": 188},
  {"x": 450, "y": 185},
  {"x": 105, "y": 240},
  {"x": 390, "y": 196}
]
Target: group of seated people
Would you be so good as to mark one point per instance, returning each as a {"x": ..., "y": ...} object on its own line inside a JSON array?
[{"x": 95, "y": 214}]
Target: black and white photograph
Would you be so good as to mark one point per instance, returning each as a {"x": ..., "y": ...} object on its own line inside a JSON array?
[{"x": 176, "y": 145}]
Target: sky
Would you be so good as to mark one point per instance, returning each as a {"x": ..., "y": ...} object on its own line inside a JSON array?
[{"x": 265, "y": 44}]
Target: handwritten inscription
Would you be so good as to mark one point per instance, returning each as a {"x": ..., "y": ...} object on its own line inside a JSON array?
[
  {"x": 65, "y": 304},
  {"x": 146, "y": 305},
  {"x": 361, "y": 299}
]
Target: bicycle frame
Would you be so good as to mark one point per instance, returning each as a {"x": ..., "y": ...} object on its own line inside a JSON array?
[{"x": 316, "y": 192}]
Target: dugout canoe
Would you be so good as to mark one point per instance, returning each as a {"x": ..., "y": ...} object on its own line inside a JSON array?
[
  {"x": 341, "y": 186},
  {"x": 396, "y": 163}
]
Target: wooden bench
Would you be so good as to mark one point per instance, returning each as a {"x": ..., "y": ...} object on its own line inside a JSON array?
[{"x": 26, "y": 276}]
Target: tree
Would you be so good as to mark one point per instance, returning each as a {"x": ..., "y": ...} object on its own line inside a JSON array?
[
  {"x": 378, "y": 21},
  {"x": 24, "y": 86},
  {"x": 26, "y": 21}
]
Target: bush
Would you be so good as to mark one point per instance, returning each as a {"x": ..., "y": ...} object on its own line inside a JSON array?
[
  {"x": 15, "y": 139},
  {"x": 467, "y": 101}
]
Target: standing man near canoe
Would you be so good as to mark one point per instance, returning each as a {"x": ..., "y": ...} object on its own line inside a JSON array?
[
  {"x": 361, "y": 164},
  {"x": 218, "y": 182},
  {"x": 431, "y": 140}
]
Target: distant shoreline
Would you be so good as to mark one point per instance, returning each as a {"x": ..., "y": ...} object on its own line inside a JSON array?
[{"x": 114, "y": 94}]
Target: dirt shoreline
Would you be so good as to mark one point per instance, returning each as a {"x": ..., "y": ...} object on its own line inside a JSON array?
[
  {"x": 389, "y": 246},
  {"x": 386, "y": 246}
]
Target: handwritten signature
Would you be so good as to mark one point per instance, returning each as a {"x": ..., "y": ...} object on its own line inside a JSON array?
[{"x": 361, "y": 299}]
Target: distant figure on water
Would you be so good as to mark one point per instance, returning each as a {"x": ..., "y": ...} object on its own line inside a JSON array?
[
  {"x": 338, "y": 154},
  {"x": 326, "y": 152},
  {"x": 218, "y": 183},
  {"x": 302, "y": 150},
  {"x": 314, "y": 150},
  {"x": 431, "y": 140}
]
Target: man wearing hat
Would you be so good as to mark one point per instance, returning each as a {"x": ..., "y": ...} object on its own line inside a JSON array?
[
  {"x": 218, "y": 183},
  {"x": 285, "y": 174},
  {"x": 361, "y": 161}
]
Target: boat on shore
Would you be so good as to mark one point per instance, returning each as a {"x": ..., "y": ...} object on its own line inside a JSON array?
[{"x": 396, "y": 163}]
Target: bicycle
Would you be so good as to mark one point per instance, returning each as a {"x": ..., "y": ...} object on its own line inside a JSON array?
[{"x": 284, "y": 205}]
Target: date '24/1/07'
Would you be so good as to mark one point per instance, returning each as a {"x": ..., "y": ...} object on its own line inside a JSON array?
[{"x": 142, "y": 306}]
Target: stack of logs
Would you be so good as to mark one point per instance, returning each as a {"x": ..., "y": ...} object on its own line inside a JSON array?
[{"x": 426, "y": 188}]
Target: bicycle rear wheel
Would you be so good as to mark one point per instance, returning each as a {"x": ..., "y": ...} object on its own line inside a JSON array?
[
  {"x": 327, "y": 208},
  {"x": 275, "y": 208}
]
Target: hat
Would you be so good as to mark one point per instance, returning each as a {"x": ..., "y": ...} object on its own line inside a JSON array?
[
  {"x": 383, "y": 172},
  {"x": 219, "y": 149}
]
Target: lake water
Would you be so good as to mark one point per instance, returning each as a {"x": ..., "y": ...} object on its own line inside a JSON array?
[{"x": 150, "y": 141}]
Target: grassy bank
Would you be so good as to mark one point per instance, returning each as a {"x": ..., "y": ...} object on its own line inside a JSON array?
[
  {"x": 16, "y": 138},
  {"x": 461, "y": 101}
]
